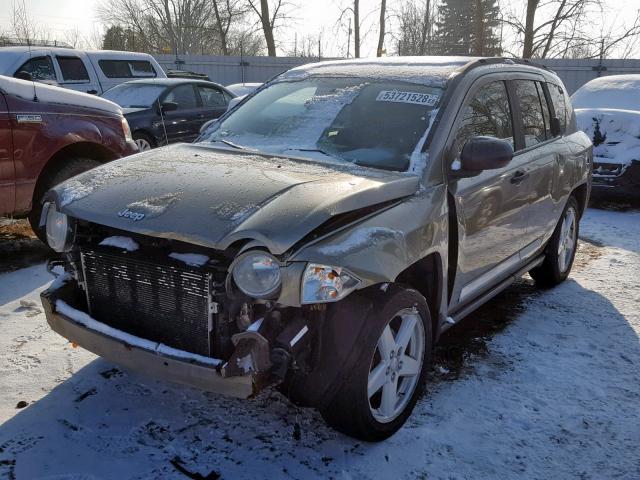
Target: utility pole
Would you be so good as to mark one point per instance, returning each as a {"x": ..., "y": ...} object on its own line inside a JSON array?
[{"x": 349, "y": 38}]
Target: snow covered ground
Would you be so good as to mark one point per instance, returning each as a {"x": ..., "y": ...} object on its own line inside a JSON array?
[{"x": 555, "y": 394}]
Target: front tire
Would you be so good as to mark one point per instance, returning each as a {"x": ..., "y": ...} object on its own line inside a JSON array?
[
  {"x": 143, "y": 141},
  {"x": 561, "y": 250},
  {"x": 377, "y": 396}
]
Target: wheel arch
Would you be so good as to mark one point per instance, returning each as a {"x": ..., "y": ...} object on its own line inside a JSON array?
[
  {"x": 581, "y": 194},
  {"x": 147, "y": 133},
  {"x": 426, "y": 276},
  {"x": 90, "y": 150}
]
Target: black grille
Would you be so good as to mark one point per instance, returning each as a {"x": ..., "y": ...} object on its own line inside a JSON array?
[{"x": 160, "y": 302}]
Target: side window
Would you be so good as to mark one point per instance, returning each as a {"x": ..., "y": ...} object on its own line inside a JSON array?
[
  {"x": 545, "y": 110},
  {"x": 531, "y": 108},
  {"x": 73, "y": 69},
  {"x": 127, "y": 68},
  {"x": 557, "y": 98},
  {"x": 487, "y": 114},
  {"x": 40, "y": 68},
  {"x": 212, "y": 97},
  {"x": 184, "y": 96}
]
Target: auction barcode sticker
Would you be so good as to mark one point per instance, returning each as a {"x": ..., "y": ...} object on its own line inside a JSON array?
[{"x": 407, "y": 97}]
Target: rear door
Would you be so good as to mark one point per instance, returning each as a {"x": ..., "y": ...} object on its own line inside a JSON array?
[
  {"x": 490, "y": 206},
  {"x": 184, "y": 122},
  {"x": 541, "y": 154},
  {"x": 7, "y": 168},
  {"x": 76, "y": 73},
  {"x": 214, "y": 102}
]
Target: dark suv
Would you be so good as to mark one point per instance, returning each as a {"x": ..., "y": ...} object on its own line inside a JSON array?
[{"x": 325, "y": 232}]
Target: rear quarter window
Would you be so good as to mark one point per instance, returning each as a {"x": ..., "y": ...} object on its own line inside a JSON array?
[
  {"x": 559, "y": 105},
  {"x": 127, "y": 69},
  {"x": 73, "y": 69}
]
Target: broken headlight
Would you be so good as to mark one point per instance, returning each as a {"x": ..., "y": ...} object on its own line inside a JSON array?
[
  {"x": 59, "y": 229},
  {"x": 322, "y": 283},
  {"x": 257, "y": 274}
]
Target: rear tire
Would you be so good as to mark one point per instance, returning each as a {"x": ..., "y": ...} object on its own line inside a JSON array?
[
  {"x": 377, "y": 396},
  {"x": 70, "y": 168},
  {"x": 561, "y": 250}
]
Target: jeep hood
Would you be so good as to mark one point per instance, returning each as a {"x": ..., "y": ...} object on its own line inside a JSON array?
[{"x": 214, "y": 197}]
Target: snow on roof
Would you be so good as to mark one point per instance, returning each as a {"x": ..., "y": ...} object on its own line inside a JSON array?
[
  {"x": 411, "y": 69},
  {"x": 52, "y": 94},
  {"x": 614, "y": 91}
]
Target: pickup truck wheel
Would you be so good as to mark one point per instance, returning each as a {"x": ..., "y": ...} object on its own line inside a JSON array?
[
  {"x": 561, "y": 249},
  {"x": 377, "y": 396},
  {"x": 70, "y": 168},
  {"x": 143, "y": 141}
]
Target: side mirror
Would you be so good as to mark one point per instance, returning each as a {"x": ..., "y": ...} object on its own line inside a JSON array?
[
  {"x": 168, "y": 106},
  {"x": 556, "y": 128},
  {"x": 24, "y": 75},
  {"x": 485, "y": 153}
]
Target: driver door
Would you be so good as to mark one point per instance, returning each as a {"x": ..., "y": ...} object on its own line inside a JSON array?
[
  {"x": 490, "y": 207},
  {"x": 184, "y": 122}
]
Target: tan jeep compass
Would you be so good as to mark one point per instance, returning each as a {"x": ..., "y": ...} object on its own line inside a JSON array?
[{"x": 325, "y": 231}]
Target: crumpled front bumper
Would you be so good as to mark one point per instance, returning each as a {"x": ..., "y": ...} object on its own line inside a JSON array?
[{"x": 149, "y": 362}]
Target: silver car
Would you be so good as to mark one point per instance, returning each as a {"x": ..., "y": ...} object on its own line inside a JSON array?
[{"x": 322, "y": 235}]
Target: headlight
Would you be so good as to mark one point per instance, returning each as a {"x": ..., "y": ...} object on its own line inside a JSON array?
[
  {"x": 257, "y": 274},
  {"x": 322, "y": 283},
  {"x": 126, "y": 130},
  {"x": 59, "y": 233}
]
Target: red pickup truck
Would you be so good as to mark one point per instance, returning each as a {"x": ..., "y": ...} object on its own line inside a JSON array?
[{"x": 49, "y": 134}]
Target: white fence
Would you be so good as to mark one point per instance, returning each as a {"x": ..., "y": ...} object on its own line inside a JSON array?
[{"x": 228, "y": 70}]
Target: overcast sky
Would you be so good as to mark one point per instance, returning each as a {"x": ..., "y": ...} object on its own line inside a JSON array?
[{"x": 312, "y": 17}]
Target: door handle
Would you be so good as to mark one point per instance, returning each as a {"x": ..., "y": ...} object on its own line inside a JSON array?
[
  {"x": 519, "y": 176},
  {"x": 92, "y": 92}
]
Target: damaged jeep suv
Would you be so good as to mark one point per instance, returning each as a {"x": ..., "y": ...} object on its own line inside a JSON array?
[{"x": 322, "y": 234}]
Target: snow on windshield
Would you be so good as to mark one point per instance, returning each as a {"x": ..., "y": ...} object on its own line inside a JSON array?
[
  {"x": 134, "y": 95},
  {"x": 615, "y": 134},
  {"x": 366, "y": 122}
]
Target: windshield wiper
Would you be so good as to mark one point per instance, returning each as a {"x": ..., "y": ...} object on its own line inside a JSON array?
[
  {"x": 319, "y": 150},
  {"x": 231, "y": 144}
]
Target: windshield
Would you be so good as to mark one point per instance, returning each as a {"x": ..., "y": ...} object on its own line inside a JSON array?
[
  {"x": 359, "y": 120},
  {"x": 132, "y": 95}
]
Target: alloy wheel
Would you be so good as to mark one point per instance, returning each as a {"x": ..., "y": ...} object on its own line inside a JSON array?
[
  {"x": 567, "y": 241},
  {"x": 396, "y": 364}
]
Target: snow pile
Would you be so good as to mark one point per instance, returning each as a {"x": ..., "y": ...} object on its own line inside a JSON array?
[
  {"x": 125, "y": 243},
  {"x": 615, "y": 91},
  {"x": 52, "y": 94},
  {"x": 614, "y": 133},
  {"x": 92, "y": 324},
  {"x": 359, "y": 238},
  {"x": 191, "y": 259}
]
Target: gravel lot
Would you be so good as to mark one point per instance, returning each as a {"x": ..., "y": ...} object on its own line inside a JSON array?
[{"x": 537, "y": 384}]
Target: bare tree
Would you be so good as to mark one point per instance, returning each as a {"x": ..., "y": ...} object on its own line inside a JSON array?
[
  {"x": 568, "y": 28},
  {"x": 527, "y": 50},
  {"x": 415, "y": 34},
  {"x": 383, "y": 12},
  {"x": 269, "y": 16},
  {"x": 226, "y": 13}
]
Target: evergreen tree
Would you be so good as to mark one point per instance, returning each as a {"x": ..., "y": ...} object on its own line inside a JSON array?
[{"x": 468, "y": 27}]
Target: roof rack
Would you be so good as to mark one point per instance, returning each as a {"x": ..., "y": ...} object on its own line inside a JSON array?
[
  {"x": 20, "y": 42},
  {"x": 503, "y": 60}
]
